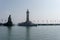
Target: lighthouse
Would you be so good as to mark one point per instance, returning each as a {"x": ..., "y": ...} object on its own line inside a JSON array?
[
  {"x": 27, "y": 22},
  {"x": 27, "y": 16}
]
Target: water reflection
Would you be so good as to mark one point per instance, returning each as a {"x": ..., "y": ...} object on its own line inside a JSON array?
[
  {"x": 27, "y": 33},
  {"x": 9, "y": 33}
]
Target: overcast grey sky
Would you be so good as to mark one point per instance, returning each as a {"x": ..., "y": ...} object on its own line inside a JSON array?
[{"x": 39, "y": 9}]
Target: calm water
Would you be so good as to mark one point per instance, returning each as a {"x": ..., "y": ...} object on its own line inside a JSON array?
[{"x": 30, "y": 33}]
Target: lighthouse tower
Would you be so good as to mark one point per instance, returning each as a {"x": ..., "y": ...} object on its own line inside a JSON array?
[{"x": 27, "y": 16}]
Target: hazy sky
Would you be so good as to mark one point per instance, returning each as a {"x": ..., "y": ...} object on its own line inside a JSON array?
[{"x": 39, "y": 9}]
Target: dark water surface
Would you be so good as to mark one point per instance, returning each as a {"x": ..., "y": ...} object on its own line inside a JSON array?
[{"x": 30, "y": 33}]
